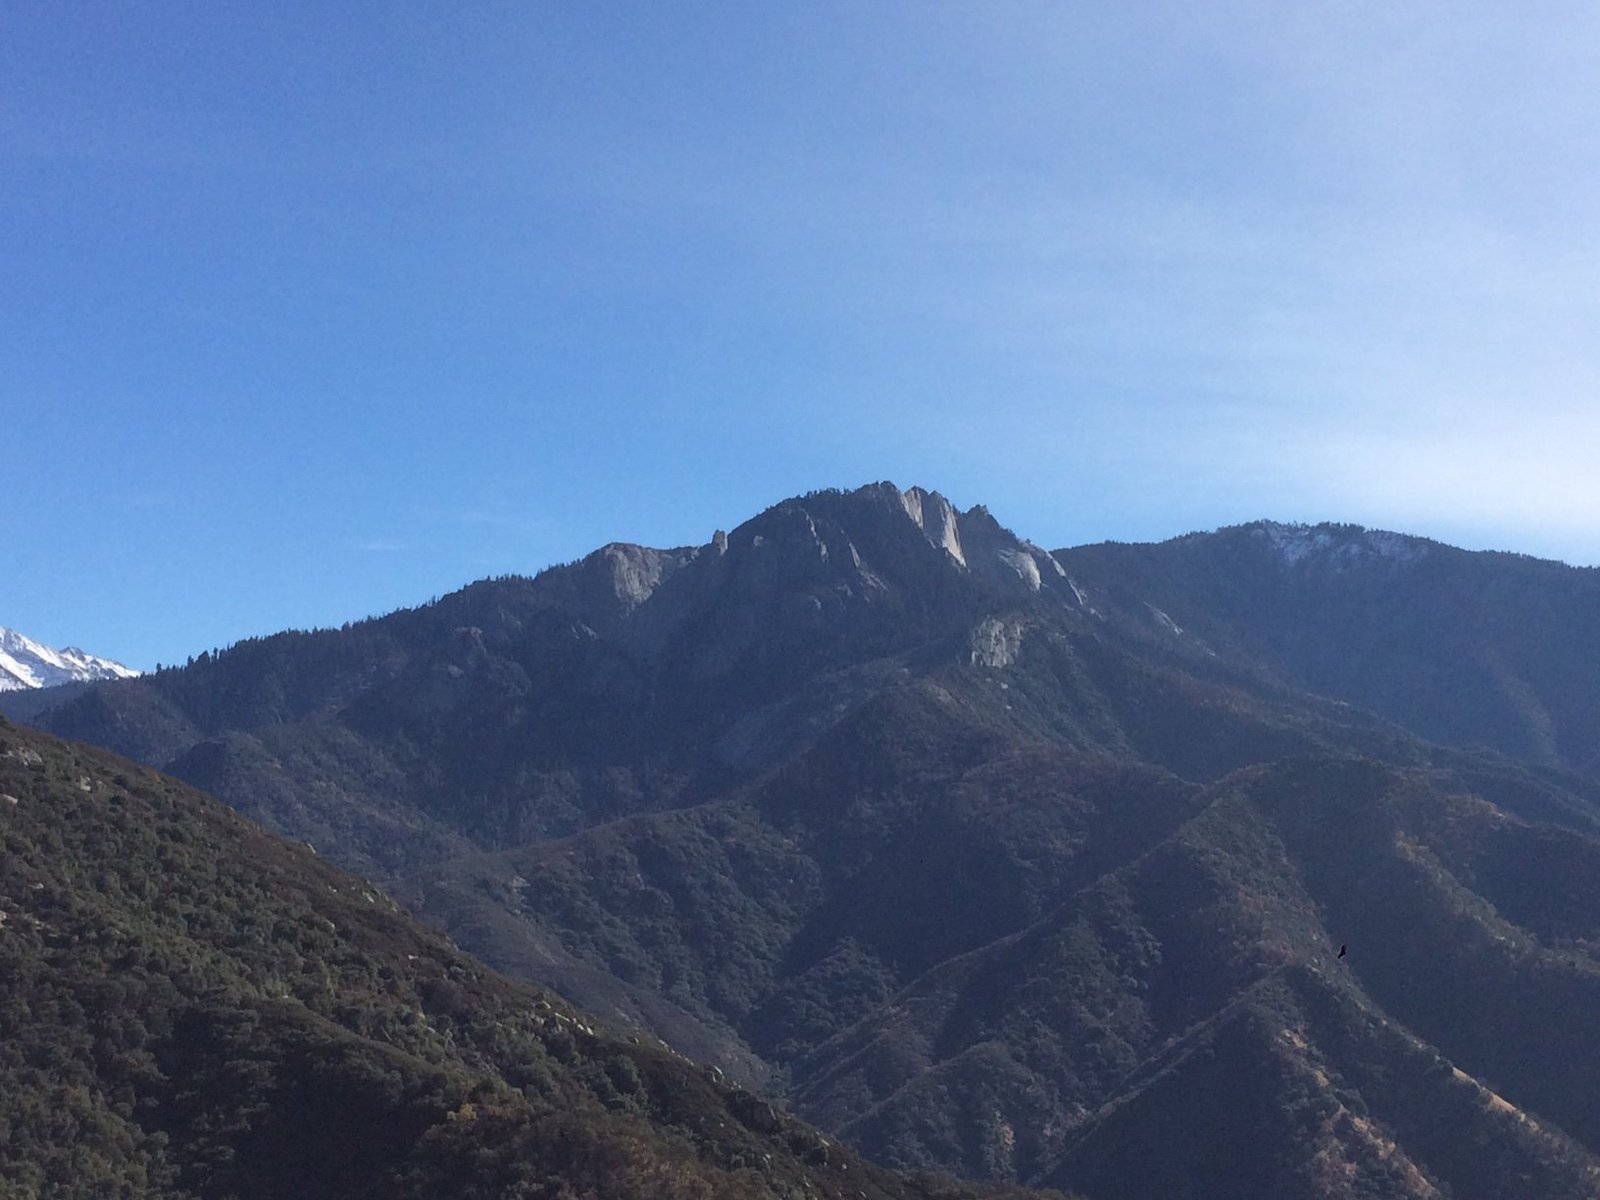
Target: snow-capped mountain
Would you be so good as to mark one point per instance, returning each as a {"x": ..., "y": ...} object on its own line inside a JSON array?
[{"x": 24, "y": 663}]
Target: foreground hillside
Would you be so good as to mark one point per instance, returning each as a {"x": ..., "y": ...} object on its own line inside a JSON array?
[
  {"x": 195, "y": 1008},
  {"x": 988, "y": 859}
]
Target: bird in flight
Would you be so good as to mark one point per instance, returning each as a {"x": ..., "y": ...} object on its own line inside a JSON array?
[{"x": 1341, "y": 950}]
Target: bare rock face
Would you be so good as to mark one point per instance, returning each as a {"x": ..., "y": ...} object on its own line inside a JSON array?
[
  {"x": 996, "y": 554},
  {"x": 609, "y": 585},
  {"x": 996, "y": 642},
  {"x": 636, "y": 571},
  {"x": 937, "y": 518},
  {"x": 977, "y": 544}
]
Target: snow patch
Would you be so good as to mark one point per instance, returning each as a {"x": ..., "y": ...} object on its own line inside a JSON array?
[{"x": 1293, "y": 544}]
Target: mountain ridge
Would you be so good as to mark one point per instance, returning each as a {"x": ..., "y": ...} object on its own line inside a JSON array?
[{"x": 1464, "y": 647}]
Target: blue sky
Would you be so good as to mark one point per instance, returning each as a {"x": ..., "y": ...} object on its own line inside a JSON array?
[{"x": 311, "y": 311}]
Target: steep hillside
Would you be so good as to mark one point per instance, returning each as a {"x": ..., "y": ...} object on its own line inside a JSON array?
[
  {"x": 519, "y": 712},
  {"x": 1196, "y": 994},
  {"x": 195, "y": 1008},
  {"x": 1026, "y": 963}
]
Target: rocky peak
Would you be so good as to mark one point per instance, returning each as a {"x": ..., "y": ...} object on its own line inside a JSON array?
[
  {"x": 606, "y": 588},
  {"x": 636, "y": 571},
  {"x": 937, "y": 518},
  {"x": 976, "y": 543},
  {"x": 814, "y": 567}
]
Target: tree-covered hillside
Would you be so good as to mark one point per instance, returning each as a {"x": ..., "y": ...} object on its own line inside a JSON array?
[{"x": 194, "y": 1008}]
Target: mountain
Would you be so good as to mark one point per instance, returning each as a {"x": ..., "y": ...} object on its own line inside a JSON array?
[
  {"x": 1027, "y": 865},
  {"x": 194, "y": 1008},
  {"x": 24, "y": 663},
  {"x": 1466, "y": 648}
]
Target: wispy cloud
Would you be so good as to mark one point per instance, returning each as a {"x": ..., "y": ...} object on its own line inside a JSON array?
[
  {"x": 147, "y": 499},
  {"x": 504, "y": 517}
]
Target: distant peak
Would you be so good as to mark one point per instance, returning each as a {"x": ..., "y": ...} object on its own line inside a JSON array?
[{"x": 25, "y": 663}]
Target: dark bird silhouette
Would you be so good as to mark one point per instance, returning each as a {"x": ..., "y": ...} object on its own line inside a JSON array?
[{"x": 1341, "y": 950}]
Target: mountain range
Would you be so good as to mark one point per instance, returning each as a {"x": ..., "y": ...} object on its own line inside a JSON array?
[{"x": 1028, "y": 865}]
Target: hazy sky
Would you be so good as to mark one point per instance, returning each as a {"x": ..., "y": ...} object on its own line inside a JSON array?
[{"x": 309, "y": 311}]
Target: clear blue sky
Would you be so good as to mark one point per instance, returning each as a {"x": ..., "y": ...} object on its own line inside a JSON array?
[{"x": 310, "y": 311}]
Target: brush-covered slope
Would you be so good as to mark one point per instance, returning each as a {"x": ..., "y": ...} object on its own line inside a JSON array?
[
  {"x": 1016, "y": 961},
  {"x": 1489, "y": 649},
  {"x": 194, "y": 1008},
  {"x": 1182, "y": 1026}
]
